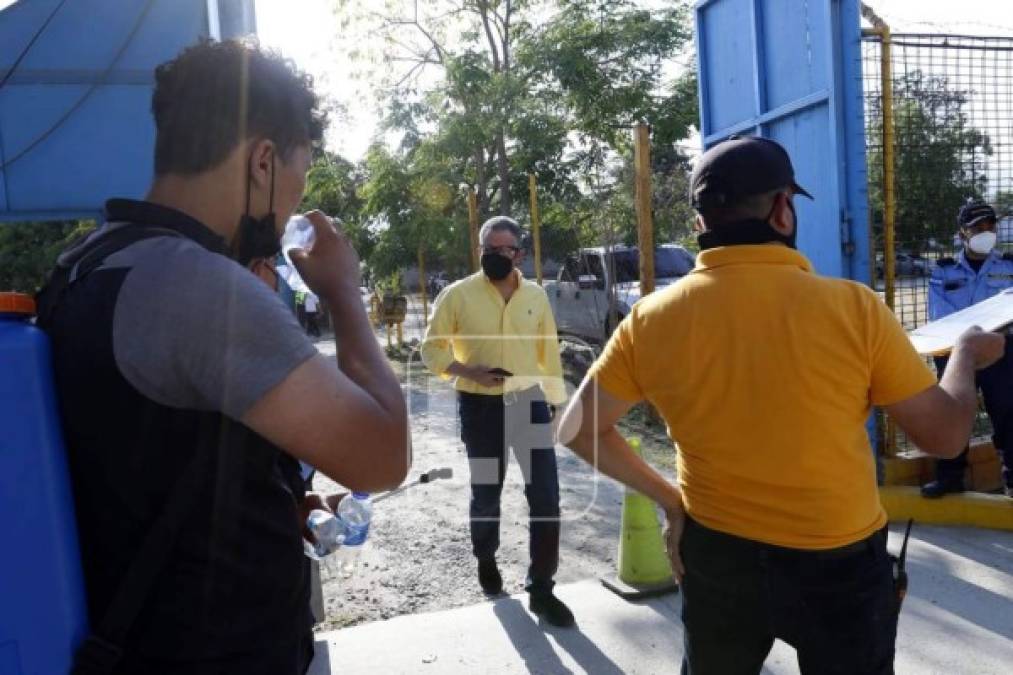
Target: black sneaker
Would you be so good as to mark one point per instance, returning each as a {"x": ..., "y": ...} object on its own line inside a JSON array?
[
  {"x": 938, "y": 488},
  {"x": 489, "y": 576},
  {"x": 551, "y": 608}
]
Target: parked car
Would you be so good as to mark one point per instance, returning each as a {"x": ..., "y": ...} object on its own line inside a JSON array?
[
  {"x": 905, "y": 265},
  {"x": 596, "y": 287},
  {"x": 436, "y": 283}
]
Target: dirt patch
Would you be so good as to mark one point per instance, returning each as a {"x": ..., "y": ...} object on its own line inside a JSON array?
[{"x": 419, "y": 556}]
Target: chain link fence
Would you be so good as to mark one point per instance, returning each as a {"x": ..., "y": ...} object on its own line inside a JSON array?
[{"x": 949, "y": 106}]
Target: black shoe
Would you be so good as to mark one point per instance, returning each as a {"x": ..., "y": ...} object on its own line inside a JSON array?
[
  {"x": 551, "y": 608},
  {"x": 938, "y": 488},
  {"x": 489, "y": 576}
]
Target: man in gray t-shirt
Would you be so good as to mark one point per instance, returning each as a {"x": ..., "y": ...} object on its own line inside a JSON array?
[{"x": 169, "y": 353}]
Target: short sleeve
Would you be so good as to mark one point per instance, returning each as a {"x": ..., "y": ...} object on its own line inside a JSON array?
[
  {"x": 898, "y": 371},
  {"x": 193, "y": 329},
  {"x": 615, "y": 369}
]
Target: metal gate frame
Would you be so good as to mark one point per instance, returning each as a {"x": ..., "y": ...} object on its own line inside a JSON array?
[{"x": 842, "y": 191}]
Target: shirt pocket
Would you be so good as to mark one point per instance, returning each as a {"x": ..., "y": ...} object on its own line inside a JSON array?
[
  {"x": 997, "y": 283},
  {"x": 525, "y": 321}
]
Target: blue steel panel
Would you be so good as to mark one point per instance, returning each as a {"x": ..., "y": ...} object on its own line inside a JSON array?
[
  {"x": 852, "y": 142},
  {"x": 91, "y": 110},
  {"x": 806, "y": 134},
  {"x": 799, "y": 84},
  {"x": 729, "y": 58},
  {"x": 795, "y": 49}
]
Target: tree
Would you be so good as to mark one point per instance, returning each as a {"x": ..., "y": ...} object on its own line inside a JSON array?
[
  {"x": 409, "y": 202},
  {"x": 1003, "y": 203},
  {"x": 503, "y": 88},
  {"x": 332, "y": 186},
  {"x": 940, "y": 159},
  {"x": 28, "y": 251}
]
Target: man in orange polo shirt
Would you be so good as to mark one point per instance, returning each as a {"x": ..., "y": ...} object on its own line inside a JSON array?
[{"x": 765, "y": 374}]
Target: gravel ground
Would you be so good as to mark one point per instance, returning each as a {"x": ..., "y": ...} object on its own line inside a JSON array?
[{"x": 419, "y": 559}]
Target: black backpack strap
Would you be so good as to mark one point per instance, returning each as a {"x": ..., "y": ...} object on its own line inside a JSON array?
[
  {"x": 102, "y": 650},
  {"x": 63, "y": 276}
]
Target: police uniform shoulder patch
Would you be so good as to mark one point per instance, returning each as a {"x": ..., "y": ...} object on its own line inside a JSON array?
[{"x": 945, "y": 262}]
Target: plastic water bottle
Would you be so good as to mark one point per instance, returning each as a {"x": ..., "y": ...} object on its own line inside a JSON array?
[
  {"x": 356, "y": 512},
  {"x": 299, "y": 233},
  {"x": 328, "y": 532}
]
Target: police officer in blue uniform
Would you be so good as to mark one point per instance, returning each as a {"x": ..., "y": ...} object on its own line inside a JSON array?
[{"x": 977, "y": 273}]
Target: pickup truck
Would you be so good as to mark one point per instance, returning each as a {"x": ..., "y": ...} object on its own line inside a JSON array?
[{"x": 597, "y": 287}]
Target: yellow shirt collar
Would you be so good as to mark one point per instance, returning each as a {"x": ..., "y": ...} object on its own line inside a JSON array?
[{"x": 751, "y": 254}]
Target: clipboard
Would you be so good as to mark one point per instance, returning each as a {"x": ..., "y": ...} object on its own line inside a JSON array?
[{"x": 938, "y": 337}]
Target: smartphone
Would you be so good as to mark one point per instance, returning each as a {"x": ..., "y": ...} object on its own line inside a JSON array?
[{"x": 500, "y": 372}]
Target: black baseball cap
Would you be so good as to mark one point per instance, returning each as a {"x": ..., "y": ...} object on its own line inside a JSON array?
[
  {"x": 738, "y": 167},
  {"x": 973, "y": 212}
]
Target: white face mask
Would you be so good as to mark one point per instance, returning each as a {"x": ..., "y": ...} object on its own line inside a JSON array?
[{"x": 982, "y": 243}]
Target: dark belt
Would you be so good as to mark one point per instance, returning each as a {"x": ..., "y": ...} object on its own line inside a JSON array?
[
  {"x": 506, "y": 398},
  {"x": 869, "y": 543}
]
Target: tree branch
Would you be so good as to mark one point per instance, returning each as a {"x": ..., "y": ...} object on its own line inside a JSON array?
[
  {"x": 390, "y": 22},
  {"x": 483, "y": 11},
  {"x": 507, "y": 15},
  {"x": 417, "y": 67}
]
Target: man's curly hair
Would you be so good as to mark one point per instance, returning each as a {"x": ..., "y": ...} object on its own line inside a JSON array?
[{"x": 215, "y": 95}]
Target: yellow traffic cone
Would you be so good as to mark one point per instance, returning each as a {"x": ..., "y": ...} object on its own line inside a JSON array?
[{"x": 644, "y": 567}]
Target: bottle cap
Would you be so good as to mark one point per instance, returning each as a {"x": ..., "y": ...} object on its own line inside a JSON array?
[{"x": 17, "y": 303}]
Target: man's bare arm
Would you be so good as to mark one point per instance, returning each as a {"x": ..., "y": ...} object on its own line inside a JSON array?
[
  {"x": 347, "y": 417},
  {"x": 939, "y": 420},
  {"x": 588, "y": 427}
]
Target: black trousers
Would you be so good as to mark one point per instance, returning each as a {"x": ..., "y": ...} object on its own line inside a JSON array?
[
  {"x": 996, "y": 385},
  {"x": 837, "y": 608},
  {"x": 312, "y": 327},
  {"x": 490, "y": 425},
  {"x": 278, "y": 659}
]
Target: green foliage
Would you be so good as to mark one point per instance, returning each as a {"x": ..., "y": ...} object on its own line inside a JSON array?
[
  {"x": 332, "y": 186},
  {"x": 1003, "y": 203},
  {"x": 484, "y": 92},
  {"x": 940, "y": 160},
  {"x": 606, "y": 59},
  {"x": 412, "y": 201},
  {"x": 28, "y": 251}
]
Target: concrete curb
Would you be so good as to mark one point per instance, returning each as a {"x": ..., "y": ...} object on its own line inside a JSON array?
[{"x": 971, "y": 509}]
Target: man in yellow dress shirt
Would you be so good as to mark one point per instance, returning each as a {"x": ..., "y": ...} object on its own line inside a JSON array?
[{"x": 493, "y": 333}]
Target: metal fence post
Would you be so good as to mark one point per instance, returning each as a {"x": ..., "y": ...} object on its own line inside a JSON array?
[
  {"x": 645, "y": 230},
  {"x": 536, "y": 226}
]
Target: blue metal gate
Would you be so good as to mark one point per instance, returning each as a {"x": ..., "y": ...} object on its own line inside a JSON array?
[{"x": 790, "y": 70}]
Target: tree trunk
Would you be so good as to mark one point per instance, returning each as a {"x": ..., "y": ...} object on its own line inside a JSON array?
[
  {"x": 504, "y": 174},
  {"x": 500, "y": 54},
  {"x": 481, "y": 185}
]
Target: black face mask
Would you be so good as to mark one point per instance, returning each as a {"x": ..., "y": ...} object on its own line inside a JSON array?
[
  {"x": 496, "y": 267},
  {"x": 749, "y": 231},
  {"x": 257, "y": 237}
]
